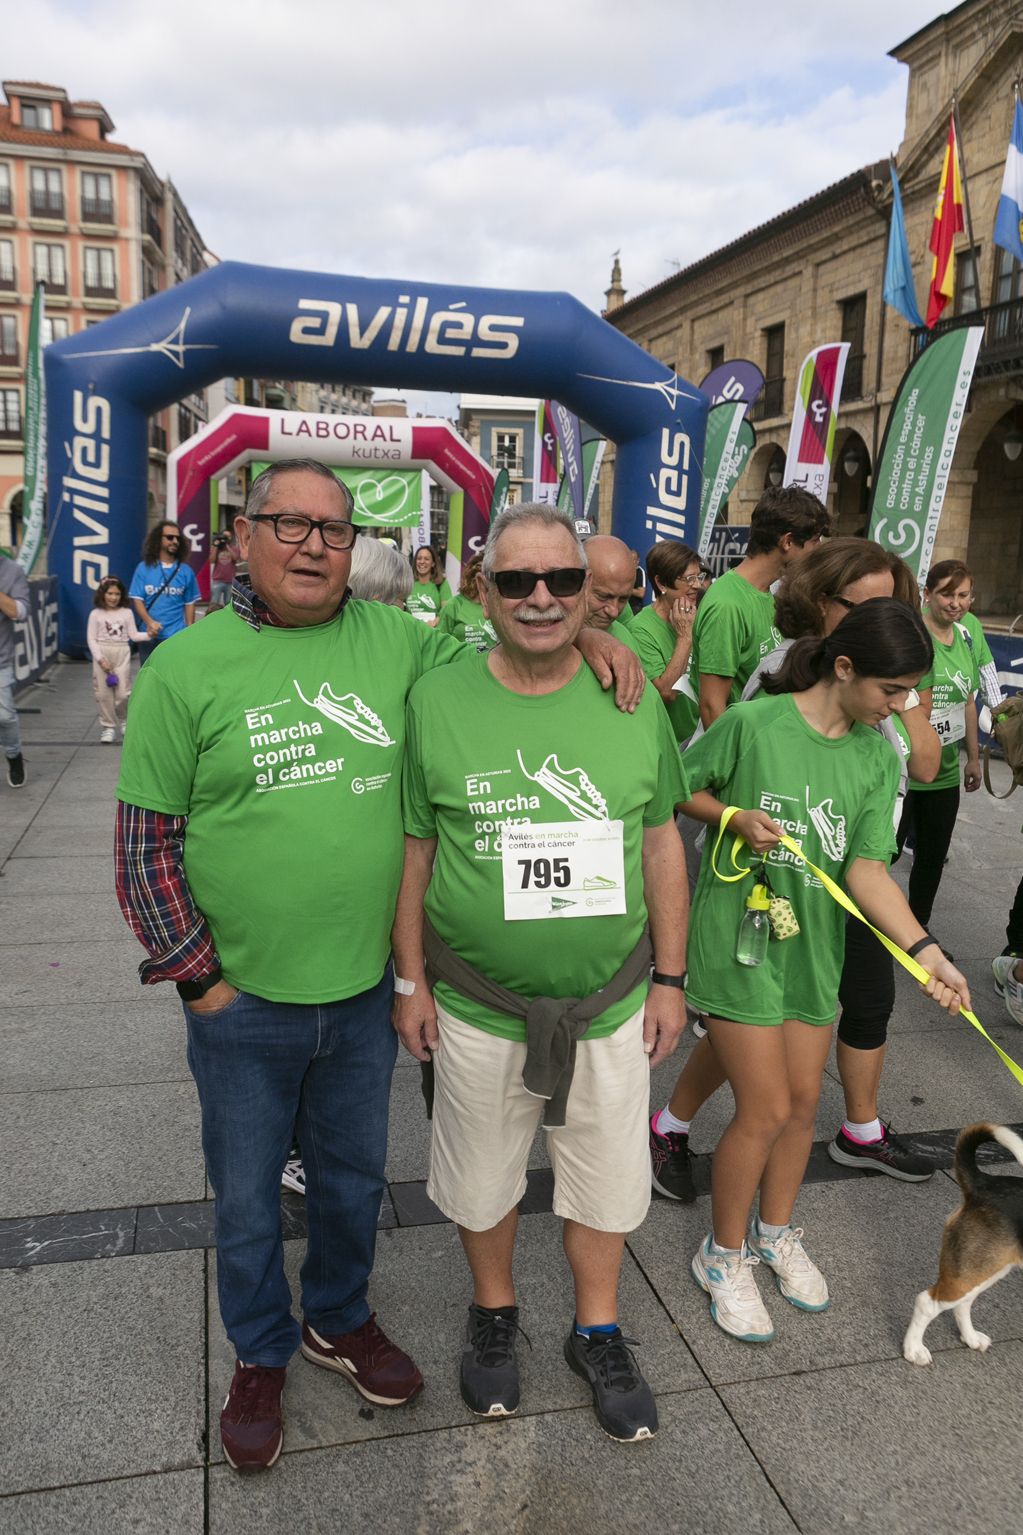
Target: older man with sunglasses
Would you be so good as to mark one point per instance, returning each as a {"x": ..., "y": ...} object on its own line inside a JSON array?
[
  {"x": 259, "y": 850},
  {"x": 543, "y": 876}
]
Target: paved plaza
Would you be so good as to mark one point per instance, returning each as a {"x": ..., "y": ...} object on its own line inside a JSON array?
[{"x": 115, "y": 1363}]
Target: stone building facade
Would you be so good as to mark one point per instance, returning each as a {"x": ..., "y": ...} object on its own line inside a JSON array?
[{"x": 815, "y": 274}]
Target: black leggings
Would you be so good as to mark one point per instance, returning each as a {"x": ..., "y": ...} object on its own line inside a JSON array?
[
  {"x": 866, "y": 990},
  {"x": 1014, "y": 930},
  {"x": 929, "y": 815}
]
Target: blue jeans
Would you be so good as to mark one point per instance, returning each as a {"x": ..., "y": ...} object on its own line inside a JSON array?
[
  {"x": 10, "y": 735},
  {"x": 266, "y": 1069}
]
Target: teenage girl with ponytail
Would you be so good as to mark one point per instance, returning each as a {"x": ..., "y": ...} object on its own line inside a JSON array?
[{"x": 804, "y": 758}]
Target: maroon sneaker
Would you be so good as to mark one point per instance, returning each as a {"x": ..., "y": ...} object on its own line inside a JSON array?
[
  {"x": 377, "y": 1369},
  {"x": 251, "y": 1424}
]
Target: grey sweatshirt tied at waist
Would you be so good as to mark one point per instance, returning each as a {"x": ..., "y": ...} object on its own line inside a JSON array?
[{"x": 553, "y": 1024}]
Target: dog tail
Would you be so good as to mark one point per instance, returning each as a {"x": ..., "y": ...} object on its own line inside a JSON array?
[{"x": 975, "y": 1136}]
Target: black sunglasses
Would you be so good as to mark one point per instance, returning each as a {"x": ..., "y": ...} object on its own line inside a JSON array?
[{"x": 517, "y": 584}]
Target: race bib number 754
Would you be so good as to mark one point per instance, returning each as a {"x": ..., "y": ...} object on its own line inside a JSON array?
[{"x": 563, "y": 869}]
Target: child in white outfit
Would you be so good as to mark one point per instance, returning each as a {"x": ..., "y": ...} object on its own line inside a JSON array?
[{"x": 111, "y": 626}]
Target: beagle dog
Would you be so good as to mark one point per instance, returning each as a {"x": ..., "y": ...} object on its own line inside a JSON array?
[{"x": 983, "y": 1240}]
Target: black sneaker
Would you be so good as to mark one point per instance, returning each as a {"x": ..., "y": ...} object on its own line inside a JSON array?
[
  {"x": 889, "y": 1155},
  {"x": 671, "y": 1165},
  {"x": 622, "y": 1400},
  {"x": 489, "y": 1377},
  {"x": 16, "y": 771}
]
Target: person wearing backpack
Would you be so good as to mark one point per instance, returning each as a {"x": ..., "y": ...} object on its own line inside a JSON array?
[
  {"x": 930, "y": 810},
  {"x": 164, "y": 590}
]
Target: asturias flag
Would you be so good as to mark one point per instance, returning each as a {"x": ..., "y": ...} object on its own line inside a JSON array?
[
  {"x": 948, "y": 221},
  {"x": 1009, "y": 218},
  {"x": 899, "y": 287}
]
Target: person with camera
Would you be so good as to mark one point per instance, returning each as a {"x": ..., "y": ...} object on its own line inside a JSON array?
[{"x": 223, "y": 568}]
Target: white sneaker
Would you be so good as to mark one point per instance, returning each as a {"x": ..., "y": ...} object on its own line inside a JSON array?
[
  {"x": 1011, "y": 990},
  {"x": 123, "y": 729},
  {"x": 799, "y": 1280},
  {"x": 735, "y": 1302},
  {"x": 106, "y": 735},
  {"x": 293, "y": 1176}
]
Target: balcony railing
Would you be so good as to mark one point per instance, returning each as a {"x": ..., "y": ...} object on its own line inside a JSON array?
[
  {"x": 6, "y": 201},
  {"x": 46, "y": 205},
  {"x": 1001, "y": 349},
  {"x": 97, "y": 210},
  {"x": 10, "y": 430},
  {"x": 99, "y": 289},
  {"x": 507, "y": 461},
  {"x": 7, "y": 280},
  {"x": 771, "y": 401},
  {"x": 8, "y": 355}
]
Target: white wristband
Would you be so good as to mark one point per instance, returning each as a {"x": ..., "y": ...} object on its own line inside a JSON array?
[{"x": 404, "y": 988}]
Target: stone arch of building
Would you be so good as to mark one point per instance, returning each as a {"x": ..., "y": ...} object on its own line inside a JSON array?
[
  {"x": 247, "y": 321},
  {"x": 994, "y": 546},
  {"x": 242, "y": 433},
  {"x": 851, "y": 486}
]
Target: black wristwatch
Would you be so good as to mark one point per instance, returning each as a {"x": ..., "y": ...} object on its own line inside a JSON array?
[
  {"x": 680, "y": 982},
  {"x": 191, "y": 991}
]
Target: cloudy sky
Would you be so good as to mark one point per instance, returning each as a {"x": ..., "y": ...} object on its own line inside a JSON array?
[{"x": 505, "y": 145}]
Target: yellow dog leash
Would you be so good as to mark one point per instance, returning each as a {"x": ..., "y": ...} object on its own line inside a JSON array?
[{"x": 837, "y": 893}]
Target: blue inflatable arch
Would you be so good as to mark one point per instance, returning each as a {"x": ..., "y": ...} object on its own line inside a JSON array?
[{"x": 238, "y": 320}]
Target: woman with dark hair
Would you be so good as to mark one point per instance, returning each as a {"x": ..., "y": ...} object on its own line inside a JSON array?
[
  {"x": 805, "y": 759},
  {"x": 163, "y": 589},
  {"x": 430, "y": 591},
  {"x": 662, "y": 634},
  {"x": 463, "y": 616},
  {"x": 813, "y": 599},
  {"x": 929, "y": 814}
]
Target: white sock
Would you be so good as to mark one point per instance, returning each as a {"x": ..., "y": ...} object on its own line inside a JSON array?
[
  {"x": 667, "y": 1124},
  {"x": 723, "y": 1252},
  {"x": 772, "y": 1232},
  {"x": 871, "y": 1131}
]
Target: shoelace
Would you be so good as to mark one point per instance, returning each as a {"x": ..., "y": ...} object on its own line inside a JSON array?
[
  {"x": 372, "y": 1341},
  {"x": 791, "y": 1250},
  {"x": 612, "y": 1359},
  {"x": 256, "y": 1395},
  {"x": 494, "y": 1337},
  {"x": 741, "y": 1271}
]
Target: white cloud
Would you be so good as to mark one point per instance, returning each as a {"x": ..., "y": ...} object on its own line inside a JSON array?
[{"x": 480, "y": 145}]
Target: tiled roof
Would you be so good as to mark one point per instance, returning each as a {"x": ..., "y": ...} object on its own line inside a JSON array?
[
  {"x": 34, "y": 85},
  {"x": 35, "y": 138}
]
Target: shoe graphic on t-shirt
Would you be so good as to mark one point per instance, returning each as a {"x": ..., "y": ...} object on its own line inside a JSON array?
[
  {"x": 350, "y": 713},
  {"x": 830, "y": 827},
  {"x": 571, "y": 786}
]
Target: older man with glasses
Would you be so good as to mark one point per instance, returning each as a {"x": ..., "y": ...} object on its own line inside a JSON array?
[
  {"x": 259, "y": 850},
  {"x": 543, "y": 876}
]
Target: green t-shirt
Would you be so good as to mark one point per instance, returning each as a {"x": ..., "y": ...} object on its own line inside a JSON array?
[
  {"x": 653, "y": 640},
  {"x": 284, "y": 750},
  {"x": 625, "y": 617},
  {"x": 425, "y": 600},
  {"x": 734, "y": 629},
  {"x": 836, "y": 798},
  {"x": 954, "y": 677},
  {"x": 469, "y": 624},
  {"x": 981, "y": 648},
  {"x": 483, "y": 759},
  {"x": 623, "y": 634}
]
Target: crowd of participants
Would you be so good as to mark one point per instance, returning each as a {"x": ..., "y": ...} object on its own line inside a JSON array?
[{"x": 535, "y": 822}]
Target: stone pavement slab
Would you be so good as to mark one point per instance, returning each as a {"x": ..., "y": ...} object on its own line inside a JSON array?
[
  {"x": 552, "y": 1474},
  {"x": 951, "y": 1077},
  {"x": 99, "y": 1148},
  {"x": 421, "y": 1291},
  {"x": 89, "y": 1044},
  {"x": 891, "y": 1446},
  {"x": 103, "y": 1373},
  {"x": 40, "y": 974},
  {"x": 48, "y": 840},
  {"x": 876, "y": 1242},
  {"x": 58, "y": 916},
  {"x": 169, "y": 1504},
  {"x": 71, "y": 876}
]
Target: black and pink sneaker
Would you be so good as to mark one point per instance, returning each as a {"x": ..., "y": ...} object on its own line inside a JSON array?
[
  {"x": 671, "y": 1165},
  {"x": 889, "y": 1155}
]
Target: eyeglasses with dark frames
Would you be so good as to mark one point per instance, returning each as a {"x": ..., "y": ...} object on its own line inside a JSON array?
[
  {"x": 295, "y": 528},
  {"x": 517, "y": 584}
]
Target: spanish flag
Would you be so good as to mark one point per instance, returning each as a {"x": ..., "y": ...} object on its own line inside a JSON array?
[{"x": 948, "y": 221}]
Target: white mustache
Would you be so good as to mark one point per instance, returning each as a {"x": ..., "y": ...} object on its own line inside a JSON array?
[{"x": 540, "y": 615}]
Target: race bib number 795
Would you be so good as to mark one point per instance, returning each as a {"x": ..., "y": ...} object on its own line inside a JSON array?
[{"x": 563, "y": 869}]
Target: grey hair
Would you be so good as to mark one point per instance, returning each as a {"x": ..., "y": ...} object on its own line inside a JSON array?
[
  {"x": 262, "y": 485},
  {"x": 379, "y": 572},
  {"x": 530, "y": 511}
]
